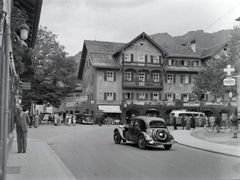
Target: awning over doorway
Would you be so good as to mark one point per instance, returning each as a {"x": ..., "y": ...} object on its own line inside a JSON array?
[{"x": 110, "y": 109}]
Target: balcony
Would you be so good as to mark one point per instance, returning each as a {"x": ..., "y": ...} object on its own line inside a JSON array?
[{"x": 143, "y": 84}]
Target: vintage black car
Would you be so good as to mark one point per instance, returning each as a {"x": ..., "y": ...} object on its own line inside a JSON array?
[{"x": 145, "y": 131}]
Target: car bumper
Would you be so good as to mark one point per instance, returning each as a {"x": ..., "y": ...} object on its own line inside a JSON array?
[{"x": 155, "y": 143}]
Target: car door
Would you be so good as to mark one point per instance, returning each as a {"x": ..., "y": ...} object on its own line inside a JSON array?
[
  {"x": 136, "y": 130},
  {"x": 130, "y": 130}
]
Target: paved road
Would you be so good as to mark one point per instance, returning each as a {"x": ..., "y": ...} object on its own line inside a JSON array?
[{"x": 90, "y": 153}]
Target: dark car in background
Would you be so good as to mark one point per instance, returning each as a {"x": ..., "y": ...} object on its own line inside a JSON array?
[{"x": 145, "y": 131}]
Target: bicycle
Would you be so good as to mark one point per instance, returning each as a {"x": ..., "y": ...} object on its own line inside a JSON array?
[{"x": 222, "y": 128}]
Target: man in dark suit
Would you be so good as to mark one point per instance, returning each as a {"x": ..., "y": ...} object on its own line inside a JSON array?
[{"x": 22, "y": 121}]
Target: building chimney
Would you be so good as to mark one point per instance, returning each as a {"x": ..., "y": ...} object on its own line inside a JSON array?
[{"x": 193, "y": 45}]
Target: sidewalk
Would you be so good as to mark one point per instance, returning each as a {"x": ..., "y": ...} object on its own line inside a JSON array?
[
  {"x": 221, "y": 143},
  {"x": 39, "y": 162}
]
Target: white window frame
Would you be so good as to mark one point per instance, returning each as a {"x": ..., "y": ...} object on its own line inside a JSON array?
[
  {"x": 109, "y": 96},
  {"x": 141, "y": 58},
  {"x": 128, "y": 76},
  {"x": 141, "y": 76},
  {"x": 155, "y": 96},
  {"x": 169, "y": 78},
  {"x": 142, "y": 96},
  {"x": 170, "y": 97},
  {"x": 170, "y": 62},
  {"x": 110, "y": 76},
  {"x": 127, "y": 58},
  {"x": 185, "y": 79},
  {"x": 196, "y": 63},
  {"x": 156, "y": 77},
  {"x": 185, "y": 97},
  {"x": 155, "y": 59}
]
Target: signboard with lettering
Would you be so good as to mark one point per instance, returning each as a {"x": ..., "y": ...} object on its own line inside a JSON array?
[
  {"x": 26, "y": 86},
  {"x": 229, "y": 81}
]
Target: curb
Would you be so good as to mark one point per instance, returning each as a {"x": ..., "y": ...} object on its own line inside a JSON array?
[
  {"x": 66, "y": 170},
  {"x": 208, "y": 150}
]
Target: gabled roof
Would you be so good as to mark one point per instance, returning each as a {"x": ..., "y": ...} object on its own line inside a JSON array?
[
  {"x": 210, "y": 52},
  {"x": 182, "y": 51},
  {"x": 142, "y": 35}
]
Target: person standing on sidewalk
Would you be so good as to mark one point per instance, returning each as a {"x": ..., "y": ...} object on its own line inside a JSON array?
[
  {"x": 183, "y": 121},
  {"x": 233, "y": 118},
  {"x": 174, "y": 122},
  {"x": 22, "y": 121},
  {"x": 212, "y": 121},
  {"x": 218, "y": 123},
  {"x": 193, "y": 122}
]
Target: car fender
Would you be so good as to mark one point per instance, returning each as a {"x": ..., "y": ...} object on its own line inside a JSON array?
[{"x": 120, "y": 131}]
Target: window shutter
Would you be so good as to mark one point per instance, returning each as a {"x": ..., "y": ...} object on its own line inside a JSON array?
[
  {"x": 160, "y": 60},
  {"x": 132, "y": 57},
  {"x": 132, "y": 76},
  {"x": 114, "y": 78},
  {"x": 114, "y": 96},
  {"x": 151, "y": 96},
  {"x": 132, "y": 96},
  {"x": 159, "y": 96},
  {"x": 105, "y": 96},
  {"x": 174, "y": 78},
  {"x": 146, "y": 96},
  {"x": 165, "y": 78},
  {"x": 181, "y": 78},
  {"x": 166, "y": 96},
  {"x": 137, "y": 96},
  {"x": 122, "y": 57},
  {"x": 190, "y": 79},
  {"x": 146, "y": 58},
  {"x": 174, "y": 96},
  {"x": 105, "y": 76},
  {"x": 151, "y": 58}
]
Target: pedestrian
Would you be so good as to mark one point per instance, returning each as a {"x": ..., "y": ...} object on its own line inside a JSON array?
[
  {"x": 212, "y": 121},
  {"x": 229, "y": 123},
  {"x": 188, "y": 123},
  {"x": 36, "y": 120},
  {"x": 55, "y": 119},
  {"x": 193, "y": 122},
  {"x": 22, "y": 121},
  {"x": 174, "y": 122},
  {"x": 233, "y": 118},
  {"x": 183, "y": 122},
  {"x": 73, "y": 119},
  {"x": 218, "y": 123}
]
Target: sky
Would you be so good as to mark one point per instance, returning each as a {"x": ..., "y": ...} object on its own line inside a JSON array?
[{"x": 122, "y": 20}]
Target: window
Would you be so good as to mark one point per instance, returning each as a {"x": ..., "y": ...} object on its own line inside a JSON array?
[
  {"x": 155, "y": 77},
  {"x": 128, "y": 95},
  {"x": 185, "y": 79},
  {"x": 170, "y": 62},
  {"x": 185, "y": 97},
  {"x": 141, "y": 58},
  {"x": 109, "y": 96},
  {"x": 170, "y": 78},
  {"x": 109, "y": 76},
  {"x": 170, "y": 97},
  {"x": 196, "y": 63},
  {"x": 155, "y": 97},
  {"x": 155, "y": 59},
  {"x": 141, "y": 96},
  {"x": 127, "y": 76},
  {"x": 141, "y": 76},
  {"x": 127, "y": 58}
]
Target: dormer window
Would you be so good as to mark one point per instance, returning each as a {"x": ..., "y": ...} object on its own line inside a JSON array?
[{"x": 170, "y": 62}]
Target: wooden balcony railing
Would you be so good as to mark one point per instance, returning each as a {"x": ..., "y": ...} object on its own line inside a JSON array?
[{"x": 143, "y": 84}]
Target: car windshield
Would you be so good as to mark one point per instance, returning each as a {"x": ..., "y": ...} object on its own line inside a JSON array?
[{"x": 157, "y": 124}]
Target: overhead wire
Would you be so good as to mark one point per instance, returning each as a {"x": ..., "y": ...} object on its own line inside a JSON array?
[{"x": 216, "y": 20}]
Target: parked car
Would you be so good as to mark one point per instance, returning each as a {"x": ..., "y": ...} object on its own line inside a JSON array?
[
  {"x": 87, "y": 119},
  {"x": 145, "y": 131}
]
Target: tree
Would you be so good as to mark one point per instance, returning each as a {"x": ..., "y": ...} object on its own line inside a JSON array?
[
  {"x": 210, "y": 79},
  {"x": 54, "y": 72}
]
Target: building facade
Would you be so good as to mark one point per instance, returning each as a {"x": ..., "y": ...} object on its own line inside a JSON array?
[{"x": 140, "y": 72}]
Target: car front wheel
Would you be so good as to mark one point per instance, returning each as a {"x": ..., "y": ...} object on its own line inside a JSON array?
[
  {"x": 141, "y": 142},
  {"x": 167, "y": 146},
  {"x": 117, "y": 138}
]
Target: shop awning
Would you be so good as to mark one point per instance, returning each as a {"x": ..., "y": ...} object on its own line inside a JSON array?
[{"x": 109, "y": 109}]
